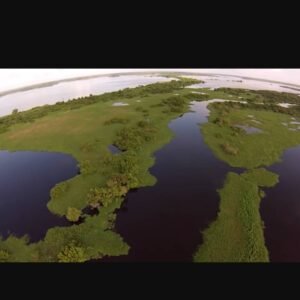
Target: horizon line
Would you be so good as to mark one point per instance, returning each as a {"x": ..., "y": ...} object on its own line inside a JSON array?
[{"x": 54, "y": 82}]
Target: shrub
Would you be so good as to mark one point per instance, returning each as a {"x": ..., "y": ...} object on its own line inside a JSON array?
[
  {"x": 221, "y": 121},
  {"x": 72, "y": 253},
  {"x": 132, "y": 138},
  {"x": 4, "y": 255},
  {"x": 175, "y": 103},
  {"x": 87, "y": 167},
  {"x": 229, "y": 149},
  {"x": 73, "y": 214}
]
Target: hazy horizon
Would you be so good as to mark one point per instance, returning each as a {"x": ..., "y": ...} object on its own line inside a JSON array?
[{"x": 17, "y": 78}]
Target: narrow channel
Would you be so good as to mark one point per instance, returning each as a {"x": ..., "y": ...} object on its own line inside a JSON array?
[
  {"x": 164, "y": 222},
  {"x": 280, "y": 210}
]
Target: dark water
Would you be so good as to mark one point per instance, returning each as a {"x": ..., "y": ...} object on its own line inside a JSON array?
[
  {"x": 163, "y": 222},
  {"x": 280, "y": 210},
  {"x": 25, "y": 182}
]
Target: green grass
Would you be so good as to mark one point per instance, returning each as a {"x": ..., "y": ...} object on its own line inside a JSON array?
[
  {"x": 250, "y": 150},
  {"x": 237, "y": 233}
]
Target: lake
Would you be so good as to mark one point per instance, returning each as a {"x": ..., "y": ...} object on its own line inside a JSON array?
[{"x": 26, "y": 179}]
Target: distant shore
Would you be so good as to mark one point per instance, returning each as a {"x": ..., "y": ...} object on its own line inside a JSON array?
[{"x": 156, "y": 73}]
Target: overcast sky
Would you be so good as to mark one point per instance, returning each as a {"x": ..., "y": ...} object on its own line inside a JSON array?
[{"x": 13, "y": 78}]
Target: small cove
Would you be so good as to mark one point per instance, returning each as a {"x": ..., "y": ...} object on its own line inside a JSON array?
[{"x": 26, "y": 179}]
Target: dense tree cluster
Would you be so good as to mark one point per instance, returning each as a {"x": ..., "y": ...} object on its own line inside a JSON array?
[
  {"x": 126, "y": 165},
  {"x": 175, "y": 103},
  {"x": 4, "y": 255},
  {"x": 126, "y": 168},
  {"x": 73, "y": 214},
  {"x": 72, "y": 253},
  {"x": 115, "y": 187},
  {"x": 156, "y": 88},
  {"x": 134, "y": 137}
]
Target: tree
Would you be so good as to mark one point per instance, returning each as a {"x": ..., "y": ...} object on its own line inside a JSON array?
[
  {"x": 4, "y": 255},
  {"x": 15, "y": 111},
  {"x": 72, "y": 253},
  {"x": 94, "y": 197},
  {"x": 73, "y": 214}
]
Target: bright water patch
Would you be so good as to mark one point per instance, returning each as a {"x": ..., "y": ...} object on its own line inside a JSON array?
[
  {"x": 120, "y": 104},
  {"x": 249, "y": 129}
]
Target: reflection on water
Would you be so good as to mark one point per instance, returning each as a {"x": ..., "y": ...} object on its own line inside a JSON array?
[{"x": 25, "y": 182}]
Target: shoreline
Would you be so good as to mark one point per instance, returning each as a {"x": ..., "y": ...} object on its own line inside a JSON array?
[{"x": 157, "y": 73}]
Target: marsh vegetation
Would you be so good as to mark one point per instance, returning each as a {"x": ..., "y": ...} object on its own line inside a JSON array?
[{"x": 85, "y": 127}]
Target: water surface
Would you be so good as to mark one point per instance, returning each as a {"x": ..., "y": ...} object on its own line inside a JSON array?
[
  {"x": 214, "y": 82},
  {"x": 249, "y": 129},
  {"x": 280, "y": 210},
  {"x": 25, "y": 182}
]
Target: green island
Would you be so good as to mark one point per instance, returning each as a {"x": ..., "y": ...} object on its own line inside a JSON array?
[
  {"x": 237, "y": 233},
  {"x": 85, "y": 127}
]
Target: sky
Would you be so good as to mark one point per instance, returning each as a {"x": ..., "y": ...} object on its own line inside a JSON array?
[{"x": 14, "y": 78}]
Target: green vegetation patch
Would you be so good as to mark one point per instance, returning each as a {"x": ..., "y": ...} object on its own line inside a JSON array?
[
  {"x": 239, "y": 149},
  {"x": 237, "y": 233}
]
